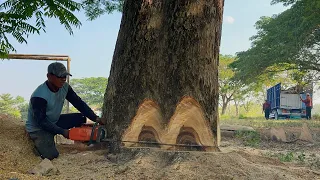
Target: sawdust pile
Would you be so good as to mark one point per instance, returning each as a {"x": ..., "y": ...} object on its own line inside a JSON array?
[
  {"x": 15, "y": 150},
  {"x": 155, "y": 164}
]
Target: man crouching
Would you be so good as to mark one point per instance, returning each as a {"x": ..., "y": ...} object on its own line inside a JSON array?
[{"x": 44, "y": 114}]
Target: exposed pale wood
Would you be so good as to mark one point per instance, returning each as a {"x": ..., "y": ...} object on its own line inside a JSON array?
[{"x": 187, "y": 125}]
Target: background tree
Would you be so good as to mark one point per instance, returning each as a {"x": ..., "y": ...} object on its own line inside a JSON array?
[
  {"x": 96, "y": 8},
  {"x": 91, "y": 90},
  {"x": 229, "y": 87},
  {"x": 286, "y": 41},
  {"x": 23, "y": 108},
  {"x": 11, "y": 106}
]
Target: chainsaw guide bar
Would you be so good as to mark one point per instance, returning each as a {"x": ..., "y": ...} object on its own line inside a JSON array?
[
  {"x": 155, "y": 143},
  {"x": 93, "y": 134}
]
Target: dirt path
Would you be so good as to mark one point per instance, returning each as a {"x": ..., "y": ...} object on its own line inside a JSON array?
[{"x": 235, "y": 161}]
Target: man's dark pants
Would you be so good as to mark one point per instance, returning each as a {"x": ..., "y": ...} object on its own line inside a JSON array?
[
  {"x": 266, "y": 113},
  {"x": 44, "y": 140},
  {"x": 308, "y": 112}
]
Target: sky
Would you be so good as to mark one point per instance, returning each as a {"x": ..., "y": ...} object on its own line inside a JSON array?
[{"x": 91, "y": 47}]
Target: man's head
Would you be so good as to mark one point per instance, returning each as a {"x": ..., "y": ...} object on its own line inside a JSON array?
[
  {"x": 57, "y": 74},
  {"x": 308, "y": 95}
]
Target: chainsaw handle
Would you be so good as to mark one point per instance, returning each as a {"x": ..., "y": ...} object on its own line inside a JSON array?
[
  {"x": 92, "y": 133},
  {"x": 99, "y": 130}
]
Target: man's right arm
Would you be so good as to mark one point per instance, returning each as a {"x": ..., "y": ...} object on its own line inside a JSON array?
[
  {"x": 39, "y": 106},
  {"x": 304, "y": 100}
]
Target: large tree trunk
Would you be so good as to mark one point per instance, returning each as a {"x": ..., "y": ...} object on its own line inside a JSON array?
[{"x": 165, "y": 50}]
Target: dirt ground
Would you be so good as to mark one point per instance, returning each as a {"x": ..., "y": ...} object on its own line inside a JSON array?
[{"x": 235, "y": 161}]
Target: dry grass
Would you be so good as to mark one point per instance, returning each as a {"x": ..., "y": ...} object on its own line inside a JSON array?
[{"x": 262, "y": 123}]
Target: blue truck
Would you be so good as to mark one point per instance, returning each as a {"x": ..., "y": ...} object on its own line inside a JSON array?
[{"x": 286, "y": 104}]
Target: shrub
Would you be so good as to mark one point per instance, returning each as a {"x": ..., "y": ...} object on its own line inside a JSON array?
[
  {"x": 250, "y": 138},
  {"x": 288, "y": 157},
  {"x": 241, "y": 116}
]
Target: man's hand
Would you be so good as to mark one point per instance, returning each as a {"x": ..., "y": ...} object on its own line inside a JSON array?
[
  {"x": 102, "y": 121},
  {"x": 66, "y": 133}
]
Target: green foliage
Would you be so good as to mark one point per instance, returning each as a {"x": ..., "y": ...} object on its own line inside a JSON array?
[
  {"x": 241, "y": 116},
  {"x": 96, "y": 8},
  {"x": 71, "y": 109},
  {"x": 227, "y": 86},
  {"x": 23, "y": 108},
  {"x": 15, "y": 15},
  {"x": 230, "y": 89},
  {"x": 11, "y": 106},
  {"x": 246, "y": 110},
  {"x": 91, "y": 90},
  {"x": 287, "y": 157},
  {"x": 13, "y": 24},
  {"x": 285, "y": 2},
  {"x": 250, "y": 138},
  {"x": 286, "y": 41},
  {"x": 301, "y": 157}
]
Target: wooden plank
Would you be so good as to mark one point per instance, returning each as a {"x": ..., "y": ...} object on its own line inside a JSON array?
[
  {"x": 49, "y": 55},
  {"x": 38, "y": 58}
]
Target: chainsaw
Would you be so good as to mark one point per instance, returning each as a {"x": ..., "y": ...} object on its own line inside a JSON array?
[{"x": 88, "y": 133}]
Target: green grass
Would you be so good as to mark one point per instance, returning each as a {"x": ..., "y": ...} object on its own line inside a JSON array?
[
  {"x": 301, "y": 157},
  {"x": 260, "y": 122},
  {"x": 287, "y": 157},
  {"x": 249, "y": 138}
]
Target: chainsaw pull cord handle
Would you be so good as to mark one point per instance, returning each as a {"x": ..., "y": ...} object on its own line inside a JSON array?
[{"x": 92, "y": 133}]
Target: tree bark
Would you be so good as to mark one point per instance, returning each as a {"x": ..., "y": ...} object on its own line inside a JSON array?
[
  {"x": 224, "y": 108},
  {"x": 237, "y": 107},
  {"x": 225, "y": 102},
  {"x": 165, "y": 50}
]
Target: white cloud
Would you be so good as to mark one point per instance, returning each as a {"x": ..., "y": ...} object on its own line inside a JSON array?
[{"x": 229, "y": 19}]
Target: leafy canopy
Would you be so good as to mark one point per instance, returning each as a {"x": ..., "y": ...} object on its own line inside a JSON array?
[
  {"x": 96, "y": 8},
  {"x": 230, "y": 88},
  {"x": 285, "y": 2},
  {"x": 286, "y": 41},
  {"x": 20, "y": 18},
  {"x": 16, "y": 19},
  {"x": 225, "y": 74},
  {"x": 11, "y": 106},
  {"x": 91, "y": 90}
]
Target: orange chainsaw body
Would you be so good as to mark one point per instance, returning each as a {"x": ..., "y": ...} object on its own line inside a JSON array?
[{"x": 83, "y": 133}]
